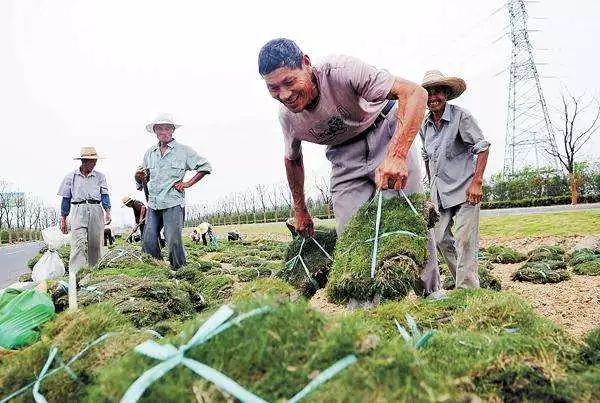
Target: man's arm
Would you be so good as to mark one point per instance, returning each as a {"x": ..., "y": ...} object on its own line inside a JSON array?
[
  {"x": 474, "y": 192},
  {"x": 187, "y": 184},
  {"x": 412, "y": 98},
  {"x": 303, "y": 222}
]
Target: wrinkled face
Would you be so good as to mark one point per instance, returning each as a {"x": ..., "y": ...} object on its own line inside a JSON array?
[
  {"x": 88, "y": 165},
  {"x": 164, "y": 132},
  {"x": 436, "y": 101},
  {"x": 294, "y": 88}
]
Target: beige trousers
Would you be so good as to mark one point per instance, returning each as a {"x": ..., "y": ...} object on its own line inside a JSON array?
[{"x": 87, "y": 231}]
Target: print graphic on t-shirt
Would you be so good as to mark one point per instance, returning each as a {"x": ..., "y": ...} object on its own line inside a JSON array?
[{"x": 334, "y": 125}]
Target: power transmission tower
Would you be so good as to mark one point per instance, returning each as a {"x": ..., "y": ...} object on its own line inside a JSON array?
[{"x": 528, "y": 127}]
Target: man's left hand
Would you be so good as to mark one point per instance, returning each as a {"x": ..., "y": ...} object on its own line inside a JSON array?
[
  {"x": 107, "y": 218},
  {"x": 474, "y": 193},
  {"x": 392, "y": 173},
  {"x": 180, "y": 186}
]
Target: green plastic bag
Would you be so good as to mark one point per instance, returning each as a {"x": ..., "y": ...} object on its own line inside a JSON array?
[{"x": 21, "y": 314}]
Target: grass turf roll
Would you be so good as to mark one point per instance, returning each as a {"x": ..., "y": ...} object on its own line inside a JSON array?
[
  {"x": 400, "y": 257},
  {"x": 317, "y": 263}
]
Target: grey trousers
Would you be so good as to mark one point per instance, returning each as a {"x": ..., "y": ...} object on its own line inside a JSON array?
[
  {"x": 172, "y": 221},
  {"x": 353, "y": 183},
  {"x": 460, "y": 253},
  {"x": 87, "y": 231}
]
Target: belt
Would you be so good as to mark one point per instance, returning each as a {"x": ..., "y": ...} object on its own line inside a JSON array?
[
  {"x": 382, "y": 115},
  {"x": 90, "y": 201}
]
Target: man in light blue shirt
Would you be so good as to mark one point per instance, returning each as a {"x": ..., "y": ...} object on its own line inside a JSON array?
[
  {"x": 163, "y": 171},
  {"x": 455, "y": 154}
]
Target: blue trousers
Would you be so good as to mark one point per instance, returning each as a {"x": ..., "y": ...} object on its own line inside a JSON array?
[{"x": 171, "y": 219}]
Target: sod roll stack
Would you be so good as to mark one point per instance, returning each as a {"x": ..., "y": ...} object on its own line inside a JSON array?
[{"x": 401, "y": 255}]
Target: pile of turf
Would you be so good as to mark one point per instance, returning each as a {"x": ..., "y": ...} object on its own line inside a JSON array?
[
  {"x": 542, "y": 272},
  {"x": 317, "y": 263},
  {"x": 71, "y": 333},
  {"x": 145, "y": 301},
  {"x": 590, "y": 352},
  {"x": 488, "y": 346},
  {"x": 503, "y": 254},
  {"x": 486, "y": 278},
  {"x": 585, "y": 262},
  {"x": 546, "y": 253},
  {"x": 401, "y": 254}
]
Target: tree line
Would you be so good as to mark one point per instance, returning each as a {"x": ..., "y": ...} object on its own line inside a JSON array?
[{"x": 23, "y": 216}]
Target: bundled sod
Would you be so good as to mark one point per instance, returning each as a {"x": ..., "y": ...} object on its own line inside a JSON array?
[
  {"x": 486, "y": 278},
  {"x": 401, "y": 255},
  {"x": 585, "y": 262},
  {"x": 546, "y": 253},
  {"x": 145, "y": 301},
  {"x": 71, "y": 333},
  {"x": 317, "y": 263},
  {"x": 489, "y": 346},
  {"x": 542, "y": 272},
  {"x": 503, "y": 254}
]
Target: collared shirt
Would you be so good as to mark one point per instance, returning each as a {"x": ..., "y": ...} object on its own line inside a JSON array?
[
  {"x": 78, "y": 187},
  {"x": 166, "y": 170},
  {"x": 351, "y": 96},
  {"x": 450, "y": 154}
]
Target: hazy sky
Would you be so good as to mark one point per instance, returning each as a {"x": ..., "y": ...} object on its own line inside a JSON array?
[{"x": 77, "y": 73}]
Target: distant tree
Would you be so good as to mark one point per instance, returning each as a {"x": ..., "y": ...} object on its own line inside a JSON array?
[{"x": 572, "y": 135}]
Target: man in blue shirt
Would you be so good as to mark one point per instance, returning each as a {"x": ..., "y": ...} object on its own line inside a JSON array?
[{"x": 163, "y": 171}]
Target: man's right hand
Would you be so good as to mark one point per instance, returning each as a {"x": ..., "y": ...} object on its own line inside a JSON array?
[
  {"x": 140, "y": 176},
  {"x": 304, "y": 224},
  {"x": 63, "y": 225}
]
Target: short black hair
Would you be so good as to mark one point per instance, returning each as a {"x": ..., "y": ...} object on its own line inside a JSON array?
[{"x": 280, "y": 52}]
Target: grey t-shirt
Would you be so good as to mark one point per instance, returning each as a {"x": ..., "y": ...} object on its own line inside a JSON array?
[{"x": 351, "y": 96}]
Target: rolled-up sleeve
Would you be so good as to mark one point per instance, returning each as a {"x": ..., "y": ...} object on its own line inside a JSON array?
[
  {"x": 103, "y": 185},
  {"x": 65, "y": 187},
  {"x": 423, "y": 150},
  {"x": 471, "y": 134},
  {"x": 196, "y": 162}
]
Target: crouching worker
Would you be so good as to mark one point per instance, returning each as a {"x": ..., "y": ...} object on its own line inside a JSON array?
[
  {"x": 85, "y": 197},
  {"x": 455, "y": 154},
  {"x": 367, "y": 118},
  {"x": 163, "y": 171}
]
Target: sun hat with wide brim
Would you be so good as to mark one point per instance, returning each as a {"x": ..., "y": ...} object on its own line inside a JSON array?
[
  {"x": 203, "y": 227},
  {"x": 88, "y": 153},
  {"x": 161, "y": 119},
  {"x": 435, "y": 78},
  {"x": 126, "y": 199}
]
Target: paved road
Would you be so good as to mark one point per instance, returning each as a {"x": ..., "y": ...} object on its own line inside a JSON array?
[
  {"x": 539, "y": 210},
  {"x": 13, "y": 261}
]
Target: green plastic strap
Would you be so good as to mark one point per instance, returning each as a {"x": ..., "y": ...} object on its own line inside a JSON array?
[
  {"x": 172, "y": 356},
  {"x": 324, "y": 377},
  {"x": 398, "y": 232},
  {"x": 376, "y": 243},
  {"x": 409, "y": 202},
  {"x": 322, "y": 249},
  {"x": 54, "y": 370},
  {"x": 36, "y": 386}
]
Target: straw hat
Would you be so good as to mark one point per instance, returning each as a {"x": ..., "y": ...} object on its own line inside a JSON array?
[
  {"x": 88, "y": 153},
  {"x": 126, "y": 199},
  {"x": 161, "y": 119},
  {"x": 434, "y": 78},
  {"x": 203, "y": 227}
]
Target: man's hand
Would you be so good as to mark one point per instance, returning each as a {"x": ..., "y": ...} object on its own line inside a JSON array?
[
  {"x": 107, "y": 218},
  {"x": 392, "y": 173},
  {"x": 474, "y": 192},
  {"x": 304, "y": 224},
  {"x": 63, "y": 225},
  {"x": 181, "y": 185},
  {"x": 140, "y": 176}
]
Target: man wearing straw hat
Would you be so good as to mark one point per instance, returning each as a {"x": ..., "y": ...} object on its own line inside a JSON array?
[
  {"x": 85, "y": 197},
  {"x": 163, "y": 170},
  {"x": 367, "y": 117},
  {"x": 455, "y": 154},
  {"x": 139, "y": 211}
]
